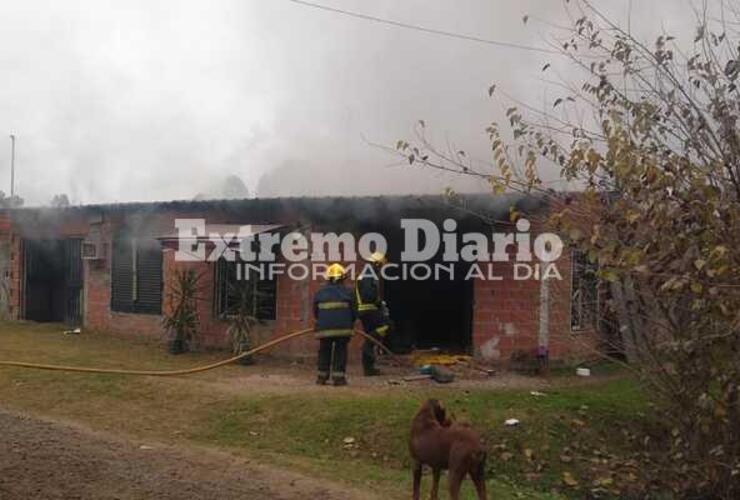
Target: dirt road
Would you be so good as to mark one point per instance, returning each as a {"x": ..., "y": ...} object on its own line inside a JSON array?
[{"x": 42, "y": 459}]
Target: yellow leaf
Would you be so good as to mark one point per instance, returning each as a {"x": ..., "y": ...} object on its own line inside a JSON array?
[
  {"x": 569, "y": 480},
  {"x": 719, "y": 250},
  {"x": 608, "y": 275}
]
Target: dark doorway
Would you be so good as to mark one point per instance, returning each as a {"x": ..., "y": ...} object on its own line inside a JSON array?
[
  {"x": 53, "y": 280},
  {"x": 432, "y": 313},
  {"x": 427, "y": 313}
]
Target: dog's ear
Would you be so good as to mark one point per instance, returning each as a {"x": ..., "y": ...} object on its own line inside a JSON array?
[{"x": 440, "y": 414}]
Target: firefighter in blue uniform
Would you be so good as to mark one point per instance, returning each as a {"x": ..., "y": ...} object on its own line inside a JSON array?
[
  {"x": 335, "y": 313},
  {"x": 372, "y": 311}
]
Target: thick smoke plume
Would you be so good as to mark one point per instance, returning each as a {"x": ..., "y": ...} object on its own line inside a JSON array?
[{"x": 140, "y": 100}]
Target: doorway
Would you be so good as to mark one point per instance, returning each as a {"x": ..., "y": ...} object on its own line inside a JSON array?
[
  {"x": 432, "y": 313},
  {"x": 427, "y": 313},
  {"x": 53, "y": 280}
]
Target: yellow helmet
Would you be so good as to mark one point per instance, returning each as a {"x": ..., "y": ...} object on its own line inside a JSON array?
[
  {"x": 335, "y": 272},
  {"x": 378, "y": 258}
]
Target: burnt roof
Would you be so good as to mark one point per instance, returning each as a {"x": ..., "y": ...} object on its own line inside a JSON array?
[{"x": 330, "y": 210}]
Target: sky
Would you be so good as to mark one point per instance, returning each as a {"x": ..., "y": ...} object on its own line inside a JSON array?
[{"x": 136, "y": 100}]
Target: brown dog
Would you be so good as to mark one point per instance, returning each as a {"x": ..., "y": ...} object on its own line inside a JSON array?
[{"x": 438, "y": 442}]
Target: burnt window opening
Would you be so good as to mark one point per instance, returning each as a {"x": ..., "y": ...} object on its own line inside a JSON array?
[
  {"x": 584, "y": 292},
  {"x": 136, "y": 276},
  {"x": 238, "y": 285}
]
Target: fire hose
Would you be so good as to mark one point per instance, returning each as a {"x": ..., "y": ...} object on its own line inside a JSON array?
[{"x": 188, "y": 371}]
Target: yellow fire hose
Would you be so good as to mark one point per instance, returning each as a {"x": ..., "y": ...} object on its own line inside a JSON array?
[{"x": 173, "y": 373}]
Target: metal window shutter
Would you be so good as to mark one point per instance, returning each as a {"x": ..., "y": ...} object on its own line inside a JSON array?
[
  {"x": 220, "y": 291},
  {"x": 122, "y": 276},
  {"x": 266, "y": 299},
  {"x": 149, "y": 280}
]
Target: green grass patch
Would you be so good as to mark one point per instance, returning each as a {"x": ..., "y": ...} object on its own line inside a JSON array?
[
  {"x": 315, "y": 427},
  {"x": 575, "y": 432}
]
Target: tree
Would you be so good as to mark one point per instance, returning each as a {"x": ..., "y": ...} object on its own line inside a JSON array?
[
  {"x": 234, "y": 188},
  {"x": 14, "y": 201},
  {"x": 231, "y": 187},
  {"x": 659, "y": 166},
  {"x": 60, "y": 201}
]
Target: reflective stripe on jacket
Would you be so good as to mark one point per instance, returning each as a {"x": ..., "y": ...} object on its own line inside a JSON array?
[{"x": 334, "y": 309}]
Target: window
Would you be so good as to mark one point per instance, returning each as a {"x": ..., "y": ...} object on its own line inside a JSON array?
[
  {"x": 136, "y": 277},
  {"x": 584, "y": 292},
  {"x": 234, "y": 278}
]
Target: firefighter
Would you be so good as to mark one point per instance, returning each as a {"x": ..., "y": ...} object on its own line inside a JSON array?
[
  {"x": 372, "y": 311},
  {"x": 335, "y": 312}
]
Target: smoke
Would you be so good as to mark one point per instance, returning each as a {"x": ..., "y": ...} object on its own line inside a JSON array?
[{"x": 140, "y": 100}]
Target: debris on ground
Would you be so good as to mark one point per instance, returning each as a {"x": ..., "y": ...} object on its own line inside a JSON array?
[
  {"x": 439, "y": 374},
  {"x": 436, "y": 357},
  {"x": 511, "y": 422},
  {"x": 442, "y": 375},
  {"x": 76, "y": 331},
  {"x": 537, "y": 394},
  {"x": 461, "y": 365},
  {"x": 583, "y": 372}
]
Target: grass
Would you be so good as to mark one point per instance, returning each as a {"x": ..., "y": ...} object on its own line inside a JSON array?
[{"x": 566, "y": 445}]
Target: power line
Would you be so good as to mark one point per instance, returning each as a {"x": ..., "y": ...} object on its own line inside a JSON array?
[{"x": 433, "y": 31}]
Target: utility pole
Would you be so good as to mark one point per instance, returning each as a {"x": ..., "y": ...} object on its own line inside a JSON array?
[{"x": 12, "y": 165}]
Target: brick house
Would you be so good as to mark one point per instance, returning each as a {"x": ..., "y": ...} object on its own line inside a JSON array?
[{"x": 48, "y": 274}]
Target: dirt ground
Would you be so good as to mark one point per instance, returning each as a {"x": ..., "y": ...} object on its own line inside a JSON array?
[
  {"x": 43, "y": 459},
  {"x": 278, "y": 376}
]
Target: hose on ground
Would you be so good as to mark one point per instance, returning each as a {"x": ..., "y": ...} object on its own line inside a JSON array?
[
  {"x": 187, "y": 371},
  {"x": 159, "y": 373}
]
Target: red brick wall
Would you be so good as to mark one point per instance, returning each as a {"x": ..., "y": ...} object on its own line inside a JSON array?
[
  {"x": 506, "y": 317},
  {"x": 97, "y": 291},
  {"x": 505, "y": 313},
  {"x": 16, "y": 272}
]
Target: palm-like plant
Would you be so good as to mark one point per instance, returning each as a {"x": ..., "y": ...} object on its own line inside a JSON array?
[
  {"x": 242, "y": 318},
  {"x": 182, "y": 321}
]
